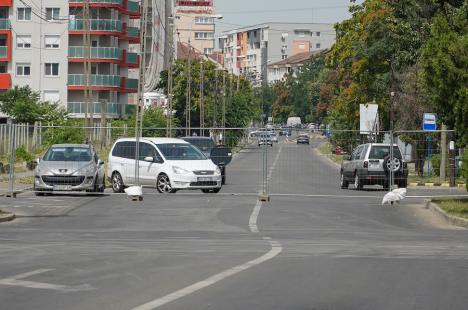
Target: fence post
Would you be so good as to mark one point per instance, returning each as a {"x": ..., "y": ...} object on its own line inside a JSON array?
[
  {"x": 264, "y": 195},
  {"x": 11, "y": 178}
]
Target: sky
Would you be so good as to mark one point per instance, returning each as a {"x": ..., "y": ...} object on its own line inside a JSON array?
[{"x": 238, "y": 13}]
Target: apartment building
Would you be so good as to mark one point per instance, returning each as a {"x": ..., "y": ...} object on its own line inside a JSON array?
[
  {"x": 279, "y": 70},
  {"x": 42, "y": 43},
  {"x": 195, "y": 22},
  {"x": 248, "y": 50}
]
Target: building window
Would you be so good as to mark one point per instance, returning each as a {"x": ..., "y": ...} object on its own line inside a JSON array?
[
  {"x": 317, "y": 33},
  {"x": 52, "y": 13},
  {"x": 317, "y": 45},
  {"x": 23, "y": 69},
  {"x": 51, "y": 96},
  {"x": 204, "y": 35},
  {"x": 52, "y": 41},
  {"x": 284, "y": 56},
  {"x": 204, "y": 20},
  {"x": 51, "y": 69},
  {"x": 24, "y": 14},
  {"x": 208, "y": 51},
  {"x": 23, "y": 41}
]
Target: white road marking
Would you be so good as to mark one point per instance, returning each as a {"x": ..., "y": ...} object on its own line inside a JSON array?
[
  {"x": 276, "y": 249},
  {"x": 17, "y": 281}
]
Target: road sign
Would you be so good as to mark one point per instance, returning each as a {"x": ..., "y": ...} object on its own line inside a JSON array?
[{"x": 429, "y": 122}]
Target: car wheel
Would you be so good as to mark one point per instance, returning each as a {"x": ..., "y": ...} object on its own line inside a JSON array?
[
  {"x": 357, "y": 182},
  {"x": 163, "y": 185},
  {"x": 117, "y": 183},
  {"x": 343, "y": 183}
]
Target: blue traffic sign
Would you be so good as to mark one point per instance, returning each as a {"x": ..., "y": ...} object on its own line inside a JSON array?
[{"x": 429, "y": 122}]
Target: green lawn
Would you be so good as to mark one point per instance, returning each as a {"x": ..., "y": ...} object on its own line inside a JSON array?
[
  {"x": 457, "y": 207},
  {"x": 327, "y": 150}
]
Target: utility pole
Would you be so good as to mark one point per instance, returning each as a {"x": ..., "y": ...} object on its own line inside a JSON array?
[
  {"x": 202, "y": 104},
  {"x": 88, "y": 95},
  {"x": 215, "y": 108},
  {"x": 392, "y": 95},
  {"x": 103, "y": 122},
  {"x": 188, "y": 105},
  {"x": 170, "y": 79},
  {"x": 224, "y": 107},
  {"x": 141, "y": 89},
  {"x": 443, "y": 152}
]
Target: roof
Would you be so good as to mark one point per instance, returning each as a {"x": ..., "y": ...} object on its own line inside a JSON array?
[
  {"x": 72, "y": 145},
  {"x": 155, "y": 140},
  {"x": 269, "y": 24},
  {"x": 298, "y": 58},
  {"x": 183, "y": 51}
]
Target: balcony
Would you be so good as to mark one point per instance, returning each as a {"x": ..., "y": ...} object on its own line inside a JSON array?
[
  {"x": 80, "y": 108},
  {"x": 97, "y": 26},
  {"x": 3, "y": 51},
  {"x": 5, "y": 80},
  {"x": 133, "y": 9},
  {"x": 132, "y": 60},
  {"x": 5, "y": 24},
  {"x": 106, "y": 54},
  {"x": 7, "y": 3},
  {"x": 129, "y": 85},
  {"x": 133, "y": 34},
  {"x": 194, "y": 3},
  {"x": 97, "y": 3},
  {"x": 98, "y": 82}
]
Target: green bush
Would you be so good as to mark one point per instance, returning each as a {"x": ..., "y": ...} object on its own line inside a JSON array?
[
  {"x": 465, "y": 167},
  {"x": 435, "y": 164},
  {"x": 22, "y": 154}
]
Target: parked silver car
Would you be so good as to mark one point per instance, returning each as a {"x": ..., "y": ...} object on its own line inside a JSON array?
[
  {"x": 69, "y": 167},
  {"x": 370, "y": 164}
]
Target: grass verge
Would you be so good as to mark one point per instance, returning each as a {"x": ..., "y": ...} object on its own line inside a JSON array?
[
  {"x": 456, "y": 207},
  {"x": 327, "y": 150}
]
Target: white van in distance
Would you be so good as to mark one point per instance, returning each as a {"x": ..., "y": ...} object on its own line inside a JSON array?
[{"x": 165, "y": 163}]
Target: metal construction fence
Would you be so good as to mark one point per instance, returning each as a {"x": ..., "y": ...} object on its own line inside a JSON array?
[{"x": 282, "y": 161}]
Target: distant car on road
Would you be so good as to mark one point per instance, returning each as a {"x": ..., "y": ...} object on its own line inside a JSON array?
[
  {"x": 370, "y": 164},
  {"x": 165, "y": 163},
  {"x": 69, "y": 167},
  {"x": 265, "y": 139},
  {"x": 273, "y": 136},
  {"x": 303, "y": 139},
  {"x": 219, "y": 154}
]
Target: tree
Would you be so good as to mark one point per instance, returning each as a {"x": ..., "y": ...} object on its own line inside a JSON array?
[
  {"x": 23, "y": 105},
  {"x": 445, "y": 63}
]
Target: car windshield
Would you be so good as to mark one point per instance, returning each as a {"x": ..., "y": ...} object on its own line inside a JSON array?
[
  {"x": 203, "y": 144},
  {"x": 68, "y": 154},
  {"x": 180, "y": 151},
  {"x": 303, "y": 137},
  {"x": 381, "y": 151}
]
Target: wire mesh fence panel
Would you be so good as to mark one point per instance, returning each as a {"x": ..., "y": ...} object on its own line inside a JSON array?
[{"x": 78, "y": 159}]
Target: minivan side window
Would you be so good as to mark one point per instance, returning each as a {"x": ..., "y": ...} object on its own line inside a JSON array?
[
  {"x": 364, "y": 152},
  {"x": 357, "y": 153},
  {"x": 147, "y": 150},
  {"x": 124, "y": 149}
]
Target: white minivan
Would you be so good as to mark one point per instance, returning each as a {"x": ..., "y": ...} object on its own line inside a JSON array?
[{"x": 165, "y": 163}]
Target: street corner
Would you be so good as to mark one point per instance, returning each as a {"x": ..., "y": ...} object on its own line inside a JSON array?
[{"x": 6, "y": 216}]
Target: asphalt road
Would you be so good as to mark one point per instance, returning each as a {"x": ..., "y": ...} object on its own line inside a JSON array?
[{"x": 314, "y": 246}]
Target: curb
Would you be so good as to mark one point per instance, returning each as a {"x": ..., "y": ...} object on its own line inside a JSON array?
[
  {"x": 446, "y": 185},
  {"x": 7, "y": 217},
  {"x": 450, "y": 219}
]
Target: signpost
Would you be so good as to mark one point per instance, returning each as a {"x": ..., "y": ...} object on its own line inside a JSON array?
[{"x": 429, "y": 124}]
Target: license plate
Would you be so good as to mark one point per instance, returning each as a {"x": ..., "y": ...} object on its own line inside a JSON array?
[
  {"x": 204, "y": 179},
  {"x": 62, "y": 187},
  {"x": 374, "y": 165}
]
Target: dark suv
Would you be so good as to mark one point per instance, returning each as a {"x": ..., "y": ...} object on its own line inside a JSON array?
[
  {"x": 370, "y": 164},
  {"x": 220, "y": 155}
]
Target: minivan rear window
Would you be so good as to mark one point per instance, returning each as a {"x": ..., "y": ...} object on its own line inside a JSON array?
[
  {"x": 381, "y": 151},
  {"x": 179, "y": 151}
]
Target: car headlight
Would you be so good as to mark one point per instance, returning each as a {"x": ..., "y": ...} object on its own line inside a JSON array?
[
  {"x": 218, "y": 171},
  {"x": 86, "y": 170},
  {"x": 178, "y": 170}
]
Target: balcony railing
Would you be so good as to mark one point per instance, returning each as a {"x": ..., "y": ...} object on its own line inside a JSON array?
[
  {"x": 118, "y": 2},
  {"x": 133, "y": 7},
  {"x": 80, "y": 107},
  {"x": 132, "y": 32},
  {"x": 111, "y": 25},
  {"x": 96, "y": 52},
  {"x": 131, "y": 83},
  {"x": 5, "y": 24},
  {"x": 96, "y": 80},
  {"x": 3, "y": 51},
  {"x": 194, "y": 3},
  {"x": 132, "y": 58}
]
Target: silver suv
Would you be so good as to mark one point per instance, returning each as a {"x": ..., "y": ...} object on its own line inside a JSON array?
[{"x": 370, "y": 164}]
